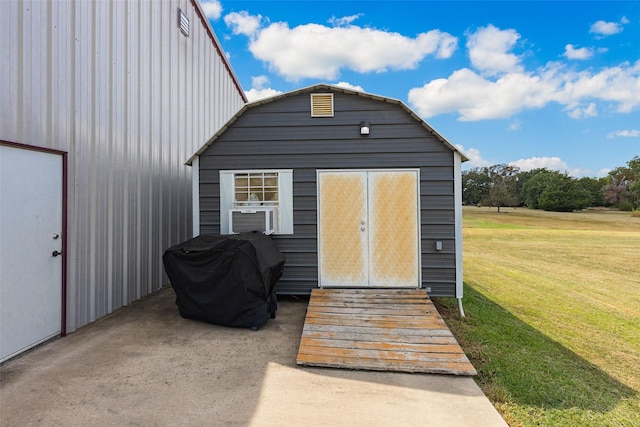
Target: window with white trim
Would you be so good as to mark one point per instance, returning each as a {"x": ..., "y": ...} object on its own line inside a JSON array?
[
  {"x": 255, "y": 189},
  {"x": 250, "y": 195}
]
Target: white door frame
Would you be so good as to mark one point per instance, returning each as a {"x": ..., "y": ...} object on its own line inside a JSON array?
[
  {"x": 59, "y": 244},
  {"x": 322, "y": 282}
]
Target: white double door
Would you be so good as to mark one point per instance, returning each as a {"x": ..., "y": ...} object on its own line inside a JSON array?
[
  {"x": 369, "y": 228},
  {"x": 30, "y": 242}
]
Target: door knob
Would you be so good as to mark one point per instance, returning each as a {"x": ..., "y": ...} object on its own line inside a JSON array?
[
  {"x": 361, "y": 228},
  {"x": 56, "y": 253}
]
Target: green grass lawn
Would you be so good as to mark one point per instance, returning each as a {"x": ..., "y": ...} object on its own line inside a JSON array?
[{"x": 553, "y": 314}]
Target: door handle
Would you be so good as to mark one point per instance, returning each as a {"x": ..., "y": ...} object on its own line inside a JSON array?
[{"x": 55, "y": 253}]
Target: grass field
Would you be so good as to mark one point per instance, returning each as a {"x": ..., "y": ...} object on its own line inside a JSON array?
[{"x": 553, "y": 314}]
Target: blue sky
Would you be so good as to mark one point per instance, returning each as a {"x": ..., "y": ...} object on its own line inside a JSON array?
[{"x": 535, "y": 84}]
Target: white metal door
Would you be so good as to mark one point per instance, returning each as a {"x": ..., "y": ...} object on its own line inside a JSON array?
[
  {"x": 30, "y": 232},
  {"x": 368, "y": 228},
  {"x": 343, "y": 240}
]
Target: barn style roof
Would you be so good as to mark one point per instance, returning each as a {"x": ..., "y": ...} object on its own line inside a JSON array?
[{"x": 332, "y": 88}]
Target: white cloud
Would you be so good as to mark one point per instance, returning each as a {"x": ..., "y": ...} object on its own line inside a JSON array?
[
  {"x": 258, "y": 90},
  {"x": 473, "y": 154},
  {"x": 212, "y": 8},
  {"x": 619, "y": 84},
  {"x": 514, "y": 126},
  {"x": 525, "y": 165},
  {"x": 489, "y": 50},
  {"x": 343, "y": 21},
  {"x": 501, "y": 88},
  {"x": 475, "y": 97},
  {"x": 602, "y": 173},
  {"x": 350, "y": 86},
  {"x": 243, "y": 23},
  {"x": 551, "y": 163},
  {"x": 258, "y": 82},
  {"x": 571, "y": 52},
  {"x": 626, "y": 133},
  {"x": 583, "y": 112},
  {"x": 603, "y": 28},
  {"x": 318, "y": 51},
  {"x": 258, "y": 94}
]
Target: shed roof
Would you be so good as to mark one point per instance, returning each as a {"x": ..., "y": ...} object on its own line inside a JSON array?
[{"x": 333, "y": 89}]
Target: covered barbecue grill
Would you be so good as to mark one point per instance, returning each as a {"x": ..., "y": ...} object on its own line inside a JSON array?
[{"x": 225, "y": 280}]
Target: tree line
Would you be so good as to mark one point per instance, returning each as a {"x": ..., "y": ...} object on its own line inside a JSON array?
[{"x": 505, "y": 185}]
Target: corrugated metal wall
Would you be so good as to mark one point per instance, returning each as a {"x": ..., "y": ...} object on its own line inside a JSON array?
[
  {"x": 283, "y": 135},
  {"x": 130, "y": 98}
]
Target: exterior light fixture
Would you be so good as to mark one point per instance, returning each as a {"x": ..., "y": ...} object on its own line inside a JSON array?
[{"x": 364, "y": 128}]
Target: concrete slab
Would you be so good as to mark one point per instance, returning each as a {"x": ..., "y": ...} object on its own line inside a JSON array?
[{"x": 146, "y": 366}]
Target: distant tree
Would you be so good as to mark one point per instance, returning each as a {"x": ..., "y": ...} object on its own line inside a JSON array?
[
  {"x": 563, "y": 194},
  {"x": 595, "y": 187},
  {"x": 475, "y": 185},
  {"x": 501, "y": 191},
  {"x": 533, "y": 184},
  {"x": 622, "y": 186},
  {"x": 616, "y": 190},
  {"x": 634, "y": 190},
  {"x": 504, "y": 185},
  {"x": 555, "y": 191},
  {"x": 634, "y": 185}
]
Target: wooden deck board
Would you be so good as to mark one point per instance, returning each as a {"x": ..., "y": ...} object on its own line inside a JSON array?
[{"x": 379, "y": 329}]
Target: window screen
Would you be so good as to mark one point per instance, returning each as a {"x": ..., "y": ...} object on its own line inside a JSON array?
[{"x": 256, "y": 189}]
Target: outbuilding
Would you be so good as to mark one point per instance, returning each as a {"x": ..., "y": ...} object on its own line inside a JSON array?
[
  {"x": 355, "y": 189},
  {"x": 102, "y": 102}
]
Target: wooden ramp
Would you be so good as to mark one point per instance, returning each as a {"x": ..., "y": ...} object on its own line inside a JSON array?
[{"x": 379, "y": 330}]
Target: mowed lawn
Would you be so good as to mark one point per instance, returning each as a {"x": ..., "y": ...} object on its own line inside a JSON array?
[{"x": 553, "y": 314}]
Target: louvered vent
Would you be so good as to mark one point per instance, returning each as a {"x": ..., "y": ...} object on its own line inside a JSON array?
[
  {"x": 321, "y": 105},
  {"x": 183, "y": 22}
]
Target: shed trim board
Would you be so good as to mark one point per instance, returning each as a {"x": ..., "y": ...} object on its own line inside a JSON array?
[
  {"x": 457, "y": 168},
  {"x": 369, "y": 235},
  {"x": 42, "y": 239},
  {"x": 195, "y": 197}
]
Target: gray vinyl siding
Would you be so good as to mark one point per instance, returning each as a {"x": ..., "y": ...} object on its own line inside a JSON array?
[{"x": 283, "y": 135}]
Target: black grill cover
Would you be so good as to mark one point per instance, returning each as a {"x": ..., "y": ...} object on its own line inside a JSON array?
[{"x": 226, "y": 280}]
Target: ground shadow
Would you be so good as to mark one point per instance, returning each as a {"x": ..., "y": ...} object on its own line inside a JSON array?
[{"x": 527, "y": 367}]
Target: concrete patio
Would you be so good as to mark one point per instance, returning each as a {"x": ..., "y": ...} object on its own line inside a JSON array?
[{"x": 144, "y": 365}]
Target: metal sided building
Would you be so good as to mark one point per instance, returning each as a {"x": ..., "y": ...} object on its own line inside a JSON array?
[
  {"x": 101, "y": 103},
  {"x": 356, "y": 189}
]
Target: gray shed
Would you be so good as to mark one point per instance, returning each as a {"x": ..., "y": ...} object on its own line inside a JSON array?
[{"x": 355, "y": 189}]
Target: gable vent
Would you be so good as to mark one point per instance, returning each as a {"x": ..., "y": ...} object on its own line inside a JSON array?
[
  {"x": 183, "y": 22},
  {"x": 321, "y": 105}
]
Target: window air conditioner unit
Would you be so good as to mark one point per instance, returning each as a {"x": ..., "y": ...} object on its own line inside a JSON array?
[{"x": 252, "y": 219}]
